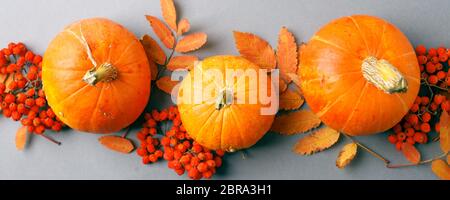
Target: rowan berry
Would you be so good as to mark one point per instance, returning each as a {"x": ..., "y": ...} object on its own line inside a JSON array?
[
  {"x": 438, "y": 99},
  {"x": 422, "y": 59},
  {"x": 425, "y": 101},
  {"x": 426, "y": 117},
  {"x": 433, "y": 79},
  {"x": 413, "y": 119},
  {"x": 202, "y": 167},
  {"x": 421, "y": 50},
  {"x": 40, "y": 102},
  {"x": 441, "y": 75},
  {"x": 401, "y": 136},
  {"x": 194, "y": 173},
  {"x": 410, "y": 140},
  {"x": 425, "y": 127},
  {"x": 218, "y": 161},
  {"x": 420, "y": 137},
  {"x": 430, "y": 68},
  {"x": 409, "y": 132},
  {"x": 399, "y": 145},
  {"x": 397, "y": 128}
]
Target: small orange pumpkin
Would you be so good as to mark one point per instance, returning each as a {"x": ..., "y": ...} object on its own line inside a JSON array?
[
  {"x": 219, "y": 121},
  {"x": 96, "y": 76},
  {"x": 359, "y": 74}
]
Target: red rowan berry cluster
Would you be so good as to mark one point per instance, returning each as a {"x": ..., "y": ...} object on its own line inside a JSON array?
[
  {"x": 416, "y": 126},
  {"x": 181, "y": 151},
  {"x": 21, "y": 95}
]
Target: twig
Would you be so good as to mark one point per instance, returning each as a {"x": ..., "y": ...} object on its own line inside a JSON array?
[
  {"x": 373, "y": 153},
  {"x": 126, "y": 132},
  {"x": 419, "y": 163},
  {"x": 50, "y": 139}
]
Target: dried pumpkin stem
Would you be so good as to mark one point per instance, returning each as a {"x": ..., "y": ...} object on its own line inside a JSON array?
[
  {"x": 106, "y": 72},
  {"x": 373, "y": 153},
  {"x": 382, "y": 74},
  {"x": 225, "y": 98},
  {"x": 420, "y": 163}
]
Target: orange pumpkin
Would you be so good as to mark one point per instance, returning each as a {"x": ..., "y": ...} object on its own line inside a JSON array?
[
  {"x": 219, "y": 121},
  {"x": 96, "y": 76},
  {"x": 359, "y": 74}
]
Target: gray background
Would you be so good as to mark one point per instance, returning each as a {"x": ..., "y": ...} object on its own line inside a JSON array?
[{"x": 82, "y": 157}]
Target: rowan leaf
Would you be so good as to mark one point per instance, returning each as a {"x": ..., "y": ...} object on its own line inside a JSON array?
[
  {"x": 191, "y": 42},
  {"x": 161, "y": 30},
  {"x": 282, "y": 86},
  {"x": 346, "y": 155},
  {"x": 116, "y": 143},
  {"x": 448, "y": 159},
  {"x": 411, "y": 153},
  {"x": 166, "y": 85},
  {"x": 153, "y": 50},
  {"x": 295, "y": 79},
  {"x": 21, "y": 138},
  {"x": 183, "y": 26},
  {"x": 444, "y": 132},
  {"x": 153, "y": 70},
  {"x": 295, "y": 122},
  {"x": 290, "y": 100},
  {"x": 255, "y": 49},
  {"x": 319, "y": 140},
  {"x": 286, "y": 54},
  {"x": 6, "y": 80},
  {"x": 169, "y": 13},
  {"x": 441, "y": 169},
  {"x": 181, "y": 62}
]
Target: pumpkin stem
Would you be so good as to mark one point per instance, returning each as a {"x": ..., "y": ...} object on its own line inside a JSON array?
[
  {"x": 106, "y": 72},
  {"x": 225, "y": 98},
  {"x": 383, "y": 75}
]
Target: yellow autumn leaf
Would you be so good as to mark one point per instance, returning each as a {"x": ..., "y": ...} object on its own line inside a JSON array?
[
  {"x": 290, "y": 100},
  {"x": 153, "y": 50},
  {"x": 161, "y": 30},
  {"x": 295, "y": 122},
  {"x": 183, "y": 26},
  {"x": 169, "y": 13},
  {"x": 441, "y": 169},
  {"x": 21, "y": 138},
  {"x": 166, "y": 84},
  {"x": 255, "y": 49},
  {"x": 286, "y": 54},
  {"x": 282, "y": 86},
  {"x": 191, "y": 42},
  {"x": 444, "y": 133},
  {"x": 346, "y": 155},
  {"x": 319, "y": 140},
  {"x": 295, "y": 79},
  {"x": 116, "y": 143},
  {"x": 181, "y": 62}
]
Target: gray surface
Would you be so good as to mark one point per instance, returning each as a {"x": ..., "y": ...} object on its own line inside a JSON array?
[{"x": 81, "y": 157}]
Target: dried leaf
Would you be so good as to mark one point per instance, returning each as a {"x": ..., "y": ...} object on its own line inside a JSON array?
[
  {"x": 444, "y": 133},
  {"x": 255, "y": 49},
  {"x": 153, "y": 50},
  {"x": 286, "y": 54},
  {"x": 166, "y": 84},
  {"x": 294, "y": 77},
  {"x": 161, "y": 30},
  {"x": 6, "y": 79},
  {"x": 290, "y": 100},
  {"x": 411, "y": 153},
  {"x": 21, "y": 138},
  {"x": 448, "y": 159},
  {"x": 169, "y": 13},
  {"x": 191, "y": 42},
  {"x": 116, "y": 143},
  {"x": 346, "y": 155},
  {"x": 317, "y": 141},
  {"x": 153, "y": 70},
  {"x": 282, "y": 86},
  {"x": 295, "y": 122},
  {"x": 441, "y": 169},
  {"x": 183, "y": 26},
  {"x": 181, "y": 62}
]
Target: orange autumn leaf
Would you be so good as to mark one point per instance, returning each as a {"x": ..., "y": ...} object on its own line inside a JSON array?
[
  {"x": 166, "y": 84},
  {"x": 169, "y": 13},
  {"x": 255, "y": 49},
  {"x": 317, "y": 141},
  {"x": 181, "y": 62},
  {"x": 153, "y": 70},
  {"x": 290, "y": 100},
  {"x": 448, "y": 159},
  {"x": 191, "y": 42},
  {"x": 441, "y": 169},
  {"x": 6, "y": 79},
  {"x": 444, "y": 133},
  {"x": 161, "y": 30},
  {"x": 21, "y": 138},
  {"x": 116, "y": 143},
  {"x": 286, "y": 54},
  {"x": 183, "y": 26},
  {"x": 411, "y": 153},
  {"x": 295, "y": 122},
  {"x": 294, "y": 77},
  {"x": 346, "y": 155},
  {"x": 153, "y": 50},
  {"x": 282, "y": 86}
]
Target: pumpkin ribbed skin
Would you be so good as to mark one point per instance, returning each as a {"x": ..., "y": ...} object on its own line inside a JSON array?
[
  {"x": 232, "y": 127},
  {"x": 332, "y": 81},
  {"x": 107, "y": 106}
]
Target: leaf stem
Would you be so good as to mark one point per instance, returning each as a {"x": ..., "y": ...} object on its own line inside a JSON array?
[
  {"x": 126, "y": 132},
  {"x": 51, "y": 139},
  {"x": 415, "y": 164},
  {"x": 373, "y": 153}
]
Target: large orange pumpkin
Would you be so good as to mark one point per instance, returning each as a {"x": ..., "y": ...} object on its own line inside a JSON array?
[
  {"x": 96, "y": 76},
  {"x": 359, "y": 74},
  {"x": 219, "y": 121}
]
